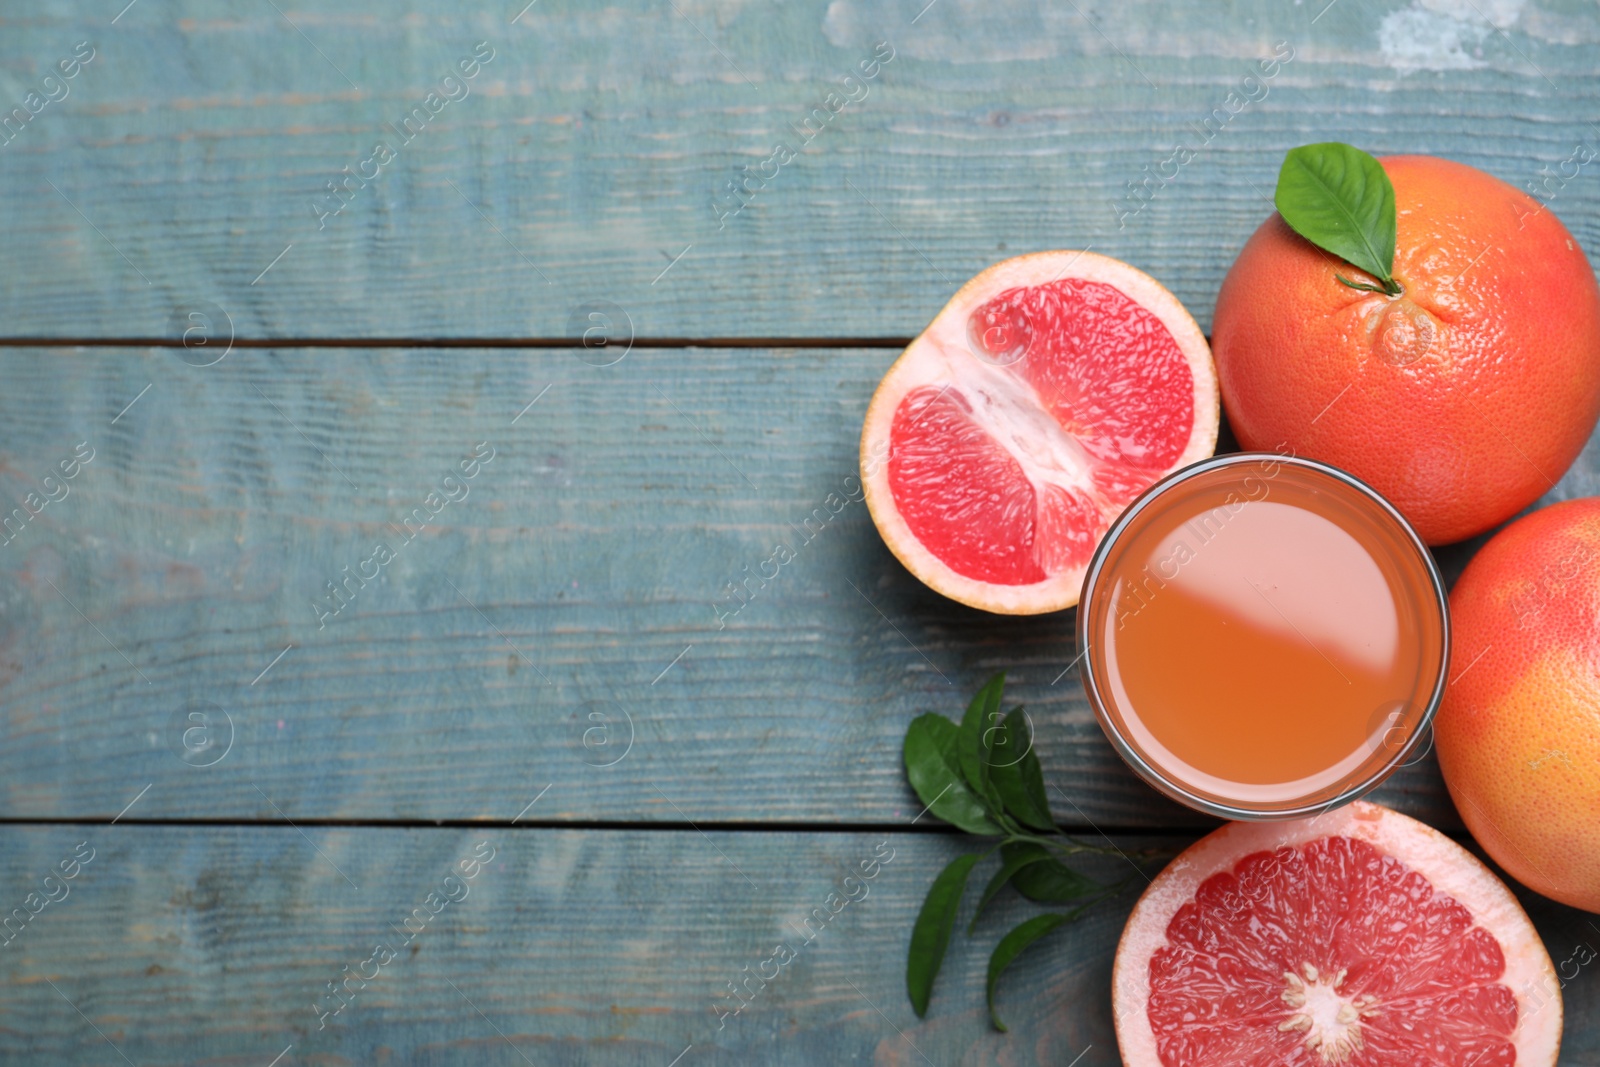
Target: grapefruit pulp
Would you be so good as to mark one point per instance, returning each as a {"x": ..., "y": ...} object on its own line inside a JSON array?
[
  {"x": 1358, "y": 937},
  {"x": 1048, "y": 393}
]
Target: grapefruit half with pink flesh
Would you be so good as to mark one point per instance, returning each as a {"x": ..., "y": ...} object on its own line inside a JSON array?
[
  {"x": 1050, "y": 391},
  {"x": 1359, "y": 937}
]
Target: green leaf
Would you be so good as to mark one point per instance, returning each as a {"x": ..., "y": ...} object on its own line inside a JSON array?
[
  {"x": 931, "y": 935},
  {"x": 1044, "y": 879},
  {"x": 1015, "y": 773},
  {"x": 1338, "y": 198},
  {"x": 1012, "y": 945},
  {"x": 932, "y": 768},
  {"x": 1013, "y": 859},
  {"x": 978, "y": 728}
]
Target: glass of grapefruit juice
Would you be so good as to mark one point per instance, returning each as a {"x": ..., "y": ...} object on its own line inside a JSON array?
[{"x": 1266, "y": 636}]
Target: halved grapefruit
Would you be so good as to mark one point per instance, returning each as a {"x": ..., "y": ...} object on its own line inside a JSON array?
[
  {"x": 1359, "y": 937},
  {"x": 1048, "y": 393}
]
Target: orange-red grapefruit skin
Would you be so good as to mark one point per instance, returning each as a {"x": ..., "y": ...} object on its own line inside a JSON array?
[
  {"x": 1463, "y": 399},
  {"x": 991, "y": 478},
  {"x": 1492, "y": 952},
  {"x": 1518, "y": 732}
]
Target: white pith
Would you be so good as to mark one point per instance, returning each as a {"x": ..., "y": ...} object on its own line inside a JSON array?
[
  {"x": 1330, "y": 1020},
  {"x": 1007, "y": 409},
  {"x": 1010, "y": 411},
  {"x": 1452, "y": 871}
]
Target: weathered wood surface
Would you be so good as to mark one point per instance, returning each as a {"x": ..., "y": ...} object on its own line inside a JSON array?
[
  {"x": 211, "y": 945},
  {"x": 192, "y": 151},
  {"x": 548, "y": 648},
  {"x": 575, "y": 599}
]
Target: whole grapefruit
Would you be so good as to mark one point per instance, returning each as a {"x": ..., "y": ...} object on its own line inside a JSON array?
[
  {"x": 1463, "y": 398},
  {"x": 1518, "y": 733}
]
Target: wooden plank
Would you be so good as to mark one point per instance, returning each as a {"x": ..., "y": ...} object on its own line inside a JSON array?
[
  {"x": 211, "y": 945},
  {"x": 567, "y": 623},
  {"x": 190, "y": 154}
]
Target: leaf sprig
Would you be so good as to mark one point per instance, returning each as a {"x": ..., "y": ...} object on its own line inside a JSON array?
[
  {"x": 1340, "y": 199},
  {"x": 982, "y": 776}
]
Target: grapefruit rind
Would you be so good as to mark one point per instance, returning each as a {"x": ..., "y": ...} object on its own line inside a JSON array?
[
  {"x": 1498, "y": 324},
  {"x": 930, "y": 358},
  {"x": 1451, "y": 869},
  {"x": 1518, "y": 735}
]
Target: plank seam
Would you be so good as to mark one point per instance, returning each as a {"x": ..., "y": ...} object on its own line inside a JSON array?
[
  {"x": 607, "y": 825},
  {"x": 567, "y": 343}
]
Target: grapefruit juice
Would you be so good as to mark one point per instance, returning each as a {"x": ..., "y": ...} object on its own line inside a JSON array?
[{"x": 1265, "y": 636}]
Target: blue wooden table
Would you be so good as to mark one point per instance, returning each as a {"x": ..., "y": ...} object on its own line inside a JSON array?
[{"x": 439, "y": 367}]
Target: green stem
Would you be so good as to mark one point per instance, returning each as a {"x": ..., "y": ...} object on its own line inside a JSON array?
[
  {"x": 1106, "y": 893},
  {"x": 1072, "y": 847},
  {"x": 1390, "y": 287},
  {"x": 1075, "y": 845},
  {"x": 1045, "y": 842}
]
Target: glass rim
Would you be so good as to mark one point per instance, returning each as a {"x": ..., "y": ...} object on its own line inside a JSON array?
[{"x": 1171, "y": 786}]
